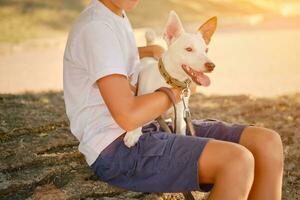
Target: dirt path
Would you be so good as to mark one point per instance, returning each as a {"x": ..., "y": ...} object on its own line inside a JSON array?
[{"x": 259, "y": 63}]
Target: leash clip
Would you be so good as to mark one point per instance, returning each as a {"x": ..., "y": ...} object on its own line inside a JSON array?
[{"x": 185, "y": 94}]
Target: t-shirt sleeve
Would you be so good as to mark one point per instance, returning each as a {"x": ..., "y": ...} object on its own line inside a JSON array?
[{"x": 102, "y": 53}]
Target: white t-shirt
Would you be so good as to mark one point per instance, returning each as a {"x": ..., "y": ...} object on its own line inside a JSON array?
[{"x": 100, "y": 43}]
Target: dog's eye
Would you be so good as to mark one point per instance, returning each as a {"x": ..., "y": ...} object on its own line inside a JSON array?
[{"x": 189, "y": 49}]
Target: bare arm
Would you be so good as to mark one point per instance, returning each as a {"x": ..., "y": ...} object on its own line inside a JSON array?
[
  {"x": 145, "y": 51},
  {"x": 129, "y": 111},
  {"x": 151, "y": 51}
]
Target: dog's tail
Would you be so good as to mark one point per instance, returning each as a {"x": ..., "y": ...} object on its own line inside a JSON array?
[{"x": 150, "y": 37}]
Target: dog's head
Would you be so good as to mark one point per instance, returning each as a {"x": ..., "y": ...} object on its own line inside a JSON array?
[{"x": 188, "y": 51}]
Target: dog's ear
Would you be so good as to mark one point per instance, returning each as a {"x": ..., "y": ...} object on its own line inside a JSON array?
[
  {"x": 173, "y": 28},
  {"x": 208, "y": 28}
]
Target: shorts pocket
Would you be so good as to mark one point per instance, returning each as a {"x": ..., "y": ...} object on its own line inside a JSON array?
[
  {"x": 151, "y": 150},
  {"x": 131, "y": 170},
  {"x": 152, "y": 145},
  {"x": 126, "y": 160},
  {"x": 106, "y": 170}
]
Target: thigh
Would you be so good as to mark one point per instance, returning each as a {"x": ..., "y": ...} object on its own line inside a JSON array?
[
  {"x": 219, "y": 130},
  {"x": 208, "y": 128}
]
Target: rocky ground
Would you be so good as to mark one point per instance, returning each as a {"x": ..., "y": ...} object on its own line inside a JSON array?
[{"x": 39, "y": 156}]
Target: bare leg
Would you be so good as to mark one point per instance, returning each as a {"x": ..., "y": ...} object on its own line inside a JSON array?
[
  {"x": 266, "y": 147},
  {"x": 230, "y": 167}
]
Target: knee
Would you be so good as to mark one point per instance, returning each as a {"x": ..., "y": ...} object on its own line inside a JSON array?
[
  {"x": 240, "y": 163},
  {"x": 226, "y": 161},
  {"x": 242, "y": 159},
  {"x": 239, "y": 168},
  {"x": 271, "y": 147}
]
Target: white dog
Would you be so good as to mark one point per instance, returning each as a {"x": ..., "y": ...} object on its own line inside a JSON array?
[{"x": 184, "y": 59}]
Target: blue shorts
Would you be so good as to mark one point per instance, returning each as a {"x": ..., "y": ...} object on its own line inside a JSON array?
[{"x": 162, "y": 162}]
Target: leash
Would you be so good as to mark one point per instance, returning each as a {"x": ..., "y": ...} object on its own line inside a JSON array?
[
  {"x": 185, "y": 93},
  {"x": 159, "y": 119},
  {"x": 187, "y": 118},
  {"x": 186, "y": 115}
]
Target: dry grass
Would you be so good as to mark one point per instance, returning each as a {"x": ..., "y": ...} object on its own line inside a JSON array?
[{"x": 37, "y": 147}]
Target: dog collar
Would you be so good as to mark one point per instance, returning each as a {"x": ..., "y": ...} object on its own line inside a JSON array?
[{"x": 169, "y": 79}]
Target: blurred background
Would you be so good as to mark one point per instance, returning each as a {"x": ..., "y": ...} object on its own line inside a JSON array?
[{"x": 256, "y": 47}]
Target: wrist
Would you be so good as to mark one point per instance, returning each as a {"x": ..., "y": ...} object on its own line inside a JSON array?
[
  {"x": 172, "y": 93},
  {"x": 177, "y": 93}
]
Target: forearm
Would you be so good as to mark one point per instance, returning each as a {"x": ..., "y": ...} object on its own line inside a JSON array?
[
  {"x": 145, "y": 51},
  {"x": 145, "y": 108}
]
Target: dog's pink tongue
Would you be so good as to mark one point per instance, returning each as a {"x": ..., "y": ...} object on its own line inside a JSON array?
[
  {"x": 198, "y": 77},
  {"x": 202, "y": 79}
]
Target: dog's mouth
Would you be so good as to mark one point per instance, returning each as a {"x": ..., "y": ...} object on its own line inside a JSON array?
[{"x": 198, "y": 77}]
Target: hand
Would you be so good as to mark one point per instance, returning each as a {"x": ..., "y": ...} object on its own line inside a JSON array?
[
  {"x": 177, "y": 91},
  {"x": 157, "y": 51},
  {"x": 154, "y": 51},
  {"x": 193, "y": 88}
]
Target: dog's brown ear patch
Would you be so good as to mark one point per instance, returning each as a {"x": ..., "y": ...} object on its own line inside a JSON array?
[{"x": 208, "y": 28}]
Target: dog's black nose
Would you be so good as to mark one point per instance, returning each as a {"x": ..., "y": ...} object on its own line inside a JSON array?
[{"x": 209, "y": 66}]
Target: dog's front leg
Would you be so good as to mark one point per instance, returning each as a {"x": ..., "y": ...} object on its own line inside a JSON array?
[
  {"x": 180, "y": 123},
  {"x": 132, "y": 137}
]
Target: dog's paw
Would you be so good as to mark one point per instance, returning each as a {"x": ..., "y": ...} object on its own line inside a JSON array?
[{"x": 131, "y": 138}]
